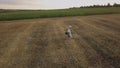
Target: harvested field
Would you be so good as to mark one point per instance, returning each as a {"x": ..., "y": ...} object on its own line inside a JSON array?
[{"x": 42, "y": 43}]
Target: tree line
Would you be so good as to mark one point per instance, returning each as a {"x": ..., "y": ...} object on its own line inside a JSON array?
[{"x": 96, "y": 6}]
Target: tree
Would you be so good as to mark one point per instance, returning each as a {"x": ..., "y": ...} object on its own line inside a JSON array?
[{"x": 108, "y": 5}]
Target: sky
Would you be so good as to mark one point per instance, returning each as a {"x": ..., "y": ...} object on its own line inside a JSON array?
[{"x": 51, "y": 4}]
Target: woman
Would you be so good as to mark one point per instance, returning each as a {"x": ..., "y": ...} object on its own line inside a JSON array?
[{"x": 69, "y": 32}]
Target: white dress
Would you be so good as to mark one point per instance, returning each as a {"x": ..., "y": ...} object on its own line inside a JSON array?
[{"x": 69, "y": 32}]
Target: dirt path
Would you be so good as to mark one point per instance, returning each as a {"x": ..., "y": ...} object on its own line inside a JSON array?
[{"x": 42, "y": 43}]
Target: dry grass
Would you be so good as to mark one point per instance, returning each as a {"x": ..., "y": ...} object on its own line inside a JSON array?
[{"x": 41, "y": 43}]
